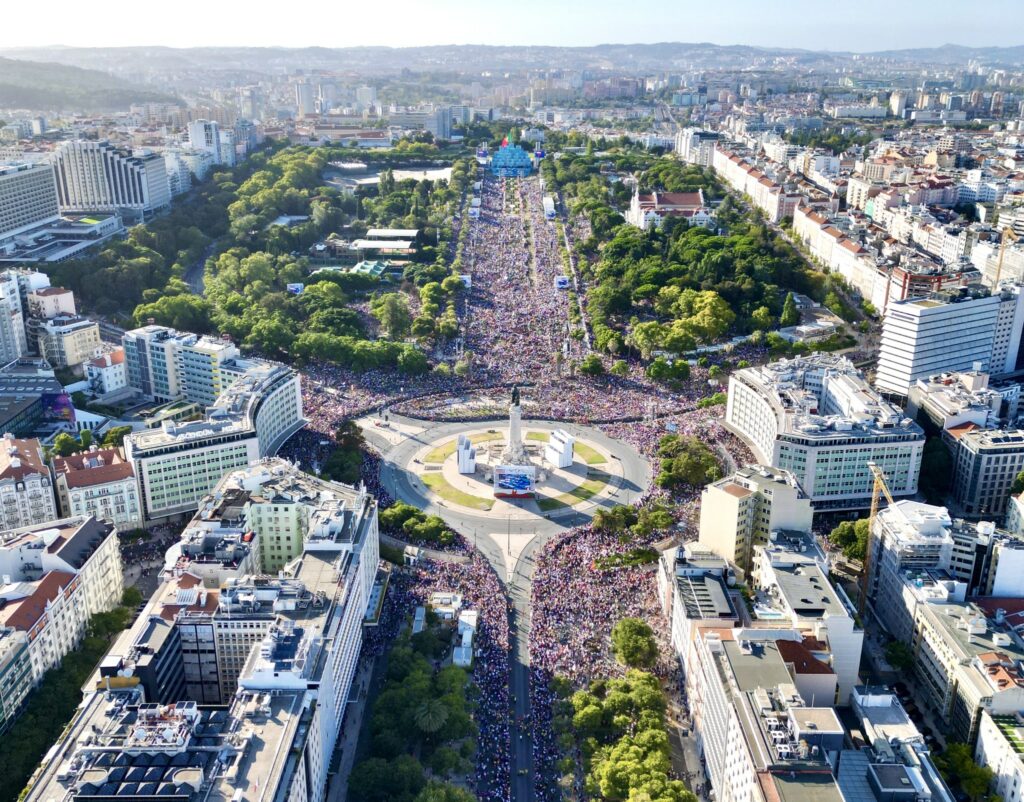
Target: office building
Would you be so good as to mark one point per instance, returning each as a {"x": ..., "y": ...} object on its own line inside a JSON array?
[
  {"x": 986, "y": 462},
  {"x": 964, "y": 330},
  {"x": 951, "y": 400},
  {"x": 164, "y": 365},
  {"x": 61, "y": 573},
  {"x": 28, "y": 198},
  {"x": 68, "y": 341},
  {"x": 818, "y": 418},
  {"x": 97, "y": 177},
  {"x": 742, "y": 511},
  {"x": 281, "y": 726},
  {"x": 180, "y": 463},
  {"x": 100, "y": 483},
  {"x": 26, "y": 487}
]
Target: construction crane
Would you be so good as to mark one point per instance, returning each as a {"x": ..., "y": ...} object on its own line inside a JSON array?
[
  {"x": 879, "y": 489},
  {"x": 1007, "y": 237}
]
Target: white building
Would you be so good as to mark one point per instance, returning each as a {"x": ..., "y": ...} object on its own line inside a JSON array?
[
  {"x": 95, "y": 176},
  {"x": 180, "y": 463},
  {"x": 26, "y": 487},
  {"x": 100, "y": 483},
  {"x": 922, "y": 337},
  {"x": 164, "y": 364},
  {"x": 954, "y": 399},
  {"x": 742, "y": 511},
  {"x": 28, "y": 198},
  {"x": 816, "y": 417},
  {"x": 57, "y": 576},
  {"x": 999, "y": 749},
  {"x": 107, "y": 373}
]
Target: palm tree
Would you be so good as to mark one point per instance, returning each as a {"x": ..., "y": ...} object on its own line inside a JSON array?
[{"x": 430, "y": 716}]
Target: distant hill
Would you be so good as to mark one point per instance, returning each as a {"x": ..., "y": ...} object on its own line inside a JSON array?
[
  {"x": 192, "y": 66},
  {"x": 46, "y": 86}
]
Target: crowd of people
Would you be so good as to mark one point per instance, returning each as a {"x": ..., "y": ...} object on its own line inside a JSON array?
[
  {"x": 575, "y": 605},
  {"x": 480, "y": 589}
]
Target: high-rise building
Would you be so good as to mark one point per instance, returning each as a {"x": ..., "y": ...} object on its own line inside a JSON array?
[
  {"x": 13, "y": 340},
  {"x": 95, "y": 176},
  {"x": 305, "y": 99},
  {"x": 28, "y": 198},
  {"x": 946, "y": 332},
  {"x": 204, "y": 137},
  {"x": 817, "y": 417},
  {"x": 747, "y": 508}
]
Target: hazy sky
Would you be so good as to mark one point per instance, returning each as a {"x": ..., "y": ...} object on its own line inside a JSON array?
[{"x": 815, "y": 24}]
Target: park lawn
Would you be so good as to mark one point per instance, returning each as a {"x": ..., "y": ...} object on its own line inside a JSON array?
[
  {"x": 591, "y": 486},
  {"x": 441, "y": 486},
  {"x": 441, "y": 453},
  {"x": 541, "y": 436},
  {"x": 591, "y": 456}
]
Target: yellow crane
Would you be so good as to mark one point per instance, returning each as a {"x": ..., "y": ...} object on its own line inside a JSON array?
[
  {"x": 1007, "y": 237},
  {"x": 879, "y": 489}
]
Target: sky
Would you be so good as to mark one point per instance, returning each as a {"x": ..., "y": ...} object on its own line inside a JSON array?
[{"x": 860, "y": 25}]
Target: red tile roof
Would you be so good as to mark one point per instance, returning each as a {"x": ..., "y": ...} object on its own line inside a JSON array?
[
  {"x": 31, "y": 608},
  {"x": 801, "y": 659},
  {"x": 27, "y": 452},
  {"x": 77, "y": 473}
]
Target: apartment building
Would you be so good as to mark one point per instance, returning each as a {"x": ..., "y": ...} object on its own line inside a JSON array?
[
  {"x": 956, "y": 331},
  {"x": 744, "y": 509},
  {"x": 101, "y": 483},
  {"x": 16, "y": 680},
  {"x": 817, "y": 418},
  {"x": 62, "y": 573},
  {"x": 1000, "y": 747},
  {"x": 776, "y": 202},
  {"x": 107, "y": 373},
  {"x": 47, "y": 302},
  {"x": 68, "y": 341},
  {"x": 26, "y": 486},
  {"x": 953, "y": 399},
  {"x": 284, "y": 717}
]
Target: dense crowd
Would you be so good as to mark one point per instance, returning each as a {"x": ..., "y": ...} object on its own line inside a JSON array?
[
  {"x": 575, "y": 605},
  {"x": 476, "y": 581}
]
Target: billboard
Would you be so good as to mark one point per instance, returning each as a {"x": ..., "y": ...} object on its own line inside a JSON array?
[
  {"x": 58, "y": 407},
  {"x": 514, "y": 481},
  {"x": 296, "y": 288}
]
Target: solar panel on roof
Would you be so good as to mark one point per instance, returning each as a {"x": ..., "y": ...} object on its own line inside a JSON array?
[
  {"x": 128, "y": 789},
  {"x": 108, "y": 789},
  {"x": 116, "y": 775},
  {"x": 154, "y": 774},
  {"x": 166, "y": 790},
  {"x": 148, "y": 789}
]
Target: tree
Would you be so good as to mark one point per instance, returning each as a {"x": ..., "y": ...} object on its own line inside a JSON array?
[
  {"x": 633, "y": 643},
  {"x": 619, "y": 368},
  {"x": 685, "y": 461},
  {"x": 444, "y": 792},
  {"x": 392, "y": 312},
  {"x": 958, "y": 764},
  {"x": 852, "y": 538},
  {"x": 899, "y": 655},
  {"x": 114, "y": 436},
  {"x": 937, "y": 471},
  {"x": 430, "y": 716},
  {"x": 64, "y": 445},
  {"x": 790, "y": 314},
  {"x": 591, "y": 365},
  {"x": 762, "y": 318}
]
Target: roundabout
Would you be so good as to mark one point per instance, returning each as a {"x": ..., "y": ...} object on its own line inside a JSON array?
[{"x": 420, "y": 467}]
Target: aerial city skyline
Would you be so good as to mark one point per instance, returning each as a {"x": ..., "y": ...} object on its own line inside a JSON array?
[{"x": 548, "y": 402}]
